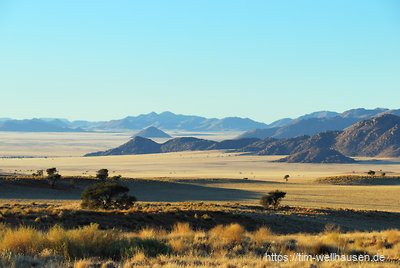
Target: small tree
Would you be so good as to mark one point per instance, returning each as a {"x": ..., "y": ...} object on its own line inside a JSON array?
[
  {"x": 51, "y": 171},
  {"x": 272, "y": 199},
  {"x": 383, "y": 174},
  {"x": 102, "y": 174},
  {"x": 107, "y": 195},
  {"x": 52, "y": 176},
  {"x": 371, "y": 172},
  {"x": 38, "y": 173},
  {"x": 286, "y": 178}
]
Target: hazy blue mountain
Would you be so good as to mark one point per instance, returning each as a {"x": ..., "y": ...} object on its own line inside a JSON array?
[
  {"x": 308, "y": 124},
  {"x": 362, "y": 113},
  {"x": 171, "y": 121},
  {"x": 280, "y": 122},
  {"x": 36, "y": 125},
  {"x": 152, "y": 132},
  {"x": 320, "y": 114},
  {"x": 259, "y": 133},
  {"x": 316, "y": 122},
  {"x": 89, "y": 125}
]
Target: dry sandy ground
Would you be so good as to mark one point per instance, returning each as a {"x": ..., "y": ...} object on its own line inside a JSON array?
[
  {"x": 180, "y": 173},
  {"x": 78, "y": 144},
  {"x": 64, "y": 150}
]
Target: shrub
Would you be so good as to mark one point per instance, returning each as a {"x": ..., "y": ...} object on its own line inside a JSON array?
[
  {"x": 182, "y": 229},
  {"x": 52, "y": 176},
  {"x": 286, "y": 177},
  {"x": 102, "y": 174},
  {"x": 38, "y": 173},
  {"x": 107, "y": 195},
  {"x": 232, "y": 233},
  {"x": 262, "y": 235},
  {"x": 272, "y": 199}
]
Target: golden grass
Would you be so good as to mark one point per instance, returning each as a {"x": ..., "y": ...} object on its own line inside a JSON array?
[
  {"x": 232, "y": 233},
  {"x": 262, "y": 235},
  {"x": 222, "y": 246}
]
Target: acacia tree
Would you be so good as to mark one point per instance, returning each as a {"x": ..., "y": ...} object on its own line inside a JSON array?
[
  {"x": 286, "y": 177},
  {"x": 38, "y": 173},
  {"x": 52, "y": 176},
  {"x": 107, "y": 195},
  {"x": 102, "y": 174},
  {"x": 273, "y": 199}
]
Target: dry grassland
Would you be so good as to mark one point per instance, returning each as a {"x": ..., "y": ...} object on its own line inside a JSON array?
[{"x": 175, "y": 177}]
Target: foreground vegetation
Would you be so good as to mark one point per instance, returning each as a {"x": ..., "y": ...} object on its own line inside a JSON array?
[
  {"x": 224, "y": 245},
  {"x": 193, "y": 234}
]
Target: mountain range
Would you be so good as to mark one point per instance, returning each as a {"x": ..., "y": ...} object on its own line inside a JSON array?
[
  {"x": 308, "y": 124},
  {"x": 378, "y": 136},
  {"x": 316, "y": 122}
]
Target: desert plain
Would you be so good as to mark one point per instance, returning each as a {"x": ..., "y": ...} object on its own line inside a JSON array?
[{"x": 217, "y": 176}]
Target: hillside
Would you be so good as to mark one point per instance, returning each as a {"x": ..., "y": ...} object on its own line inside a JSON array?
[
  {"x": 315, "y": 123},
  {"x": 186, "y": 144},
  {"x": 137, "y": 145},
  {"x": 140, "y": 145},
  {"x": 378, "y": 136},
  {"x": 317, "y": 155},
  {"x": 152, "y": 132},
  {"x": 283, "y": 146}
]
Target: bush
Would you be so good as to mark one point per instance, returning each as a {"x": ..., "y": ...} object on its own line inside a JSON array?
[
  {"x": 107, "y": 195},
  {"x": 272, "y": 199},
  {"x": 52, "y": 176},
  {"x": 102, "y": 174}
]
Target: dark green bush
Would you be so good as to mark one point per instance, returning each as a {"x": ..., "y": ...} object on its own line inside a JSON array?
[
  {"x": 102, "y": 174},
  {"x": 107, "y": 195},
  {"x": 272, "y": 199},
  {"x": 52, "y": 176}
]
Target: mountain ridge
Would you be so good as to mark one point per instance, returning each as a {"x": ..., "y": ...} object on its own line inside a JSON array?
[{"x": 378, "y": 136}]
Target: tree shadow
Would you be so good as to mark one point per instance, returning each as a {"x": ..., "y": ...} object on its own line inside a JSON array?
[{"x": 160, "y": 191}]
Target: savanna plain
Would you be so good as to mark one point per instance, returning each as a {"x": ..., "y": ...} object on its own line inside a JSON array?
[{"x": 193, "y": 209}]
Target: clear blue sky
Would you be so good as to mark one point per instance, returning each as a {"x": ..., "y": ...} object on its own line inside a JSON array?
[{"x": 101, "y": 60}]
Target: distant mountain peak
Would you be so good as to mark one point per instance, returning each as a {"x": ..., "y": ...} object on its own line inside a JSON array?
[{"x": 152, "y": 132}]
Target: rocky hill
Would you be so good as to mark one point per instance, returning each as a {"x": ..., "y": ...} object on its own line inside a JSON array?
[
  {"x": 232, "y": 144},
  {"x": 137, "y": 145},
  {"x": 378, "y": 136},
  {"x": 186, "y": 144},
  {"x": 283, "y": 146},
  {"x": 317, "y": 155},
  {"x": 152, "y": 132}
]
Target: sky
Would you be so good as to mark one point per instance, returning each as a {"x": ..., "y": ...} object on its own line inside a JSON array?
[{"x": 266, "y": 60}]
